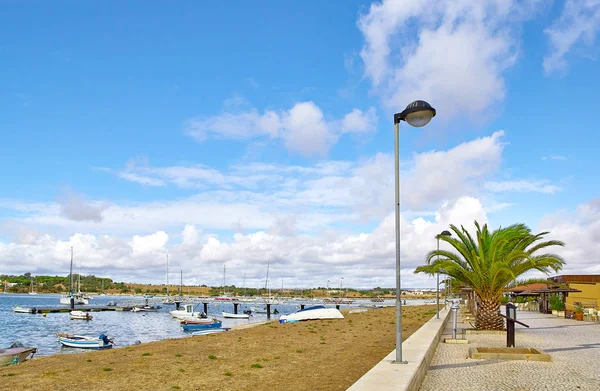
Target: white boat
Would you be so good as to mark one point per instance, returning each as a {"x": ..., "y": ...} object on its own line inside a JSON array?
[
  {"x": 235, "y": 316},
  {"x": 186, "y": 313},
  {"x": 32, "y": 292},
  {"x": 258, "y": 310},
  {"x": 84, "y": 342},
  {"x": 16, "y": 354},
  {"x": 77, "y": 297},
  {"x": 23, "y": 310},
  {"x": 316, "y": 312},
  {"x": 80, "y": 315},
  {"x": 209, "y": 331}
]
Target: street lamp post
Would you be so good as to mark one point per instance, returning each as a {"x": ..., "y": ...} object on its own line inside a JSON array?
[
  {"x": 417, "y": 114},
  {"x": 437, "y": 291}
]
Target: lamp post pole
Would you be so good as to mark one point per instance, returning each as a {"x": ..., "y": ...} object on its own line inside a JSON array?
[
  {"x": 437, "y": 291},
  {"x": 416, "y": 114},
  {"x": 443, "y": 233},
  {"x": 398, "y": 283}
]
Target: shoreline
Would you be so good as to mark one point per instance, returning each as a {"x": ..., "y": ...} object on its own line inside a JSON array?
[{"x": 251, "y": 356}]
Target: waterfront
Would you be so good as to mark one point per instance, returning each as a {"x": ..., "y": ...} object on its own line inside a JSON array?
[{"x": 124, "y": 326}]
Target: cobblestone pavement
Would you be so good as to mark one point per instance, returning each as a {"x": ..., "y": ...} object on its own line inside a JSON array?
[{"x": 573, "y": 345}]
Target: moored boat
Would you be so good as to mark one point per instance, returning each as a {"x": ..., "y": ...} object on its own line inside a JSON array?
[
  {"x": 235, "y": 316},
  {"x": 187, "y": 313},
  {"x": 85, "y": 342},
  {"x": 316, "y": 312},
  {"x": 200, "y": 326},
  {"x": 80, "y": 315},
  {"x": 16, "y": 354},
  {"x": 24, "y": 310}
]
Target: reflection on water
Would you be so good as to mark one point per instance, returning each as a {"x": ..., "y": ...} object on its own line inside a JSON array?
[{"x": 125, "y": 327}]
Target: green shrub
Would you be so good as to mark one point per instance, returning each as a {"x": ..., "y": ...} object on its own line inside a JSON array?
[{"x": 556, "y": 303}]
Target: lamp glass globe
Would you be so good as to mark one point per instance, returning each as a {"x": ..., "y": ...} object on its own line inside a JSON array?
[{"x": 419, "y": 118}]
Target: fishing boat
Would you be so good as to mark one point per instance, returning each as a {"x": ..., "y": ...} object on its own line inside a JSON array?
[
  {"x": 80, "y": 315},
  {"x": 145, "y": 308},
  {"x": 316, "y": 312},
  {"x": 235, "y": 316},
  {"x": 16, "y": 354},
  {"x": 187, "y": 326},
  {"x": 187, "y": 313},
  {"x": 84, "y": 342},
  {"x": 23, "y": 310},
  {"x": 209, "y": 331}
]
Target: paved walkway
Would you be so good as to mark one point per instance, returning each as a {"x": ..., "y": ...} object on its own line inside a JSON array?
[{"x": 573, "y": 345}]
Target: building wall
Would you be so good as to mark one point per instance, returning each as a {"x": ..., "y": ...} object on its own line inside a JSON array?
[{"x": 589, "y": 295}]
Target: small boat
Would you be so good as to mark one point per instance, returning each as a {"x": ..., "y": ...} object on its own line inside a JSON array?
[
  {"x": 24, "y": 310},
  {"x": 316, "y": 312},
  {"x": 258, "y": 310},
  {"x": 187, "y": 313},
  {"x": 84, "y": 342},
  {"x": 80, "y": 315},
  {"x": 235, "y": 316},
  {"x": 15, "y": 354},
  {"x": 198, "y": 321},
  {"x": 195, "y": 326},
  {"x": 145, "y": 308},
  {"x": 209, "y": 331}
]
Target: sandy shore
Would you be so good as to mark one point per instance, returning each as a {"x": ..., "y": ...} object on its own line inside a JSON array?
[{"x": 315, "y": 355}]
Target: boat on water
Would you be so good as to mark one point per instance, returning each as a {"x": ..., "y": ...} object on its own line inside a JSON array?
[
  {"x": 209, "y": 331},
  {"x": 187, "y": 313},
  {"x": 310, "y": 313},
  {"x": 199, "y": 321},
  {"x": 187, "y": 326},
  {"x": 85, "y": 342},
  {"x": 32, "y": 292},
  {"x": 16, "y": 354},
  {"x": 145, "y": 308},
  {"x": 76, "y": 297},
  {"x": 235, "y": 316},
  {"x": 24, "y": 310},
  {"x": 80, "y": 315}
]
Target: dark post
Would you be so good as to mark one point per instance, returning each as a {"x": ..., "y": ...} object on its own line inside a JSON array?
[
  {"x": 268, "y": 310},
  {"x": 235, "y": 305},
  {"x": 205, "y": 308},
  {"x": 72, "y": 303},
  {"x": 301, "y": 306},
  {"x": 511, "y": 316},
  {"x": 177, "y": 304},
  {"x": 337, "y": 307}
]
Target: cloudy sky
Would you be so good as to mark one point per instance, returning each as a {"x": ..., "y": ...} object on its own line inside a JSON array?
[{"x": 253, "y": 132}]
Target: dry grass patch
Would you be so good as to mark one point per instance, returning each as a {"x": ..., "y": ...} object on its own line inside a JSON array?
[{"x": 335, "y": 353}]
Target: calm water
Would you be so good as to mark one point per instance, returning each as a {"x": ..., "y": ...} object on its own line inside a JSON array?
[{"x": 124, "y": 326}]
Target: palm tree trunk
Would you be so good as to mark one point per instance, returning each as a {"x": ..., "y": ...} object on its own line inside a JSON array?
[{"x": 487, "y": 315}]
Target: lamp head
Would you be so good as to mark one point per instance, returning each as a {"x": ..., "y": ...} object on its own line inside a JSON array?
[{"x": 417, "y": 114}]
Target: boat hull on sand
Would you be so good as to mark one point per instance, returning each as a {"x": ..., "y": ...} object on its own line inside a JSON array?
[
  {"x": 16, "y": 354},
  {"x": 313, "y": 313}
]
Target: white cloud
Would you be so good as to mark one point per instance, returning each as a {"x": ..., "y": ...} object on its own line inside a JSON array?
[
  {"x": 581, "y": 233},
  {"x": 539, "y": 186},
  {"x": 450, "y": 53},
  {"x": 363, "y": 259},
  {"x": 578, "y": 23},
  {"x": 554, "y": 157},
  {"x": 358, "y": 121},
  {"x": 149, "y": 243},
  {"x": 303, "y": 128}
]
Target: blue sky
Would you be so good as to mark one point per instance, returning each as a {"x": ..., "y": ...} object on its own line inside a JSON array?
[{"x": 241, "y": 133}]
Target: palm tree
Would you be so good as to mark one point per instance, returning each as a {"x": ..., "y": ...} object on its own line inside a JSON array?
[{"x": 490, "y": 261}]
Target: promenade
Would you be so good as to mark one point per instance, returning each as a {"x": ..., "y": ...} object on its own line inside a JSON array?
[{"x": 573, "y": 345}]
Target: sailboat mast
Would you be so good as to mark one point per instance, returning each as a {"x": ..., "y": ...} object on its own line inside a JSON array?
[
  {"x": 244, "y": 284},
  {"x": 167, "y": 275},
  {"x": 71, "y": 271},
  {"x": 267, "y": 280},
  {"x": 181, "y": 284},
  {"x": 223, "y": 279},
  {"x": 79, "y": 278}
]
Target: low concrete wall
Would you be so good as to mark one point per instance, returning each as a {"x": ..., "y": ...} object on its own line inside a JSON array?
[{"x": 418, "y": 350}]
